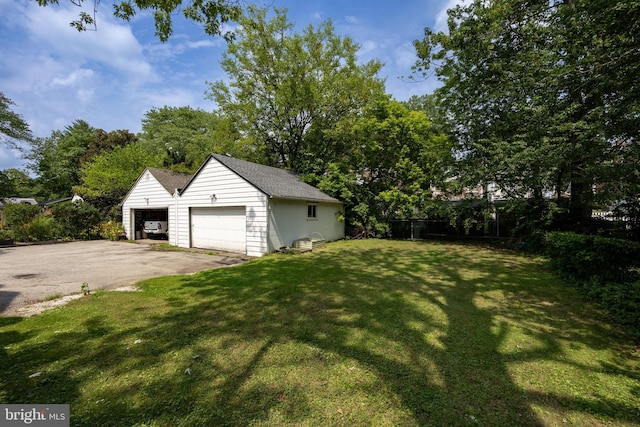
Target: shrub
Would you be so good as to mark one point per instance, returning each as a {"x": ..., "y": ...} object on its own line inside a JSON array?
[
  {"x": 78, "y": 221},
  {"x": 620, "y": 300},
  {"x": 5, "y": 234},
  {"x": 110, "y": 230},
  {"x": 17, "y": 215},
  {"x": 42, "y": 227},
  {"x": 583, "y": 258},
  {"x": 604, "y": 269}
]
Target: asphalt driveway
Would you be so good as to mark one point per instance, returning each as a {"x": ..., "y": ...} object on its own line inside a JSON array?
[{"x": 34, "y": 273}]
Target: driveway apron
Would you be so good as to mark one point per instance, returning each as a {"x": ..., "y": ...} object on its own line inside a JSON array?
[{"x": 37, "y": 272}]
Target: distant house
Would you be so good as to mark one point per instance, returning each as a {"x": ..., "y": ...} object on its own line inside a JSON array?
[
  {"x": 231, "y": 204},
  {"x": 20, "y": 201}
]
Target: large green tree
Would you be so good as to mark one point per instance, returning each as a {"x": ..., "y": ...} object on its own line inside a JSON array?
[
  {"x": 16, "y": 182},
  {"x": 6, "y": 185},
  {"x": 211, "y": 14},
  {"x": 12, "y": 126},
  {"x": 105, "y": 142},
  {"x": 112, "y": 173},
  {"x": 186, "y": 136},
  {"x": 387, "y": 171},
  {"x": 540, "y": 94},
  {"x": 56, "y": 159},
  {"x": 285, "y": 86}
]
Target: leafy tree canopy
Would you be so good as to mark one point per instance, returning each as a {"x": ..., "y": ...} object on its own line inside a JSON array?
[
  {"x": 429, "y": 105},
  {"x": 107, "y": 141},
  {"x": 286, "y": 86},
  {"x": 16, "y": 183},
  {"x": 12, "y": 125},
  {"x": 541, "y": 95},
  {"x": 6, "y": 186},
  {"x": 387, "y": 171},
  {"x": 111, "y": 174},
  {"x": 211, "y": 14},
  {"x": 58, "y": 159},
  {"x": 186, "y": 136}
]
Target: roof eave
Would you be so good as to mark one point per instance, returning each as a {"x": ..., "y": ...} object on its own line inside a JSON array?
[{"x": 307, "y": 199}]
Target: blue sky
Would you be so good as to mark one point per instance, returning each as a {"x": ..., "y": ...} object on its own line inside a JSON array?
[{"x": 111, "y": 77}]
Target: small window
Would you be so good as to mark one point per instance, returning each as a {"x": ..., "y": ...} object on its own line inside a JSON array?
[{"x": 312, "y": 211}]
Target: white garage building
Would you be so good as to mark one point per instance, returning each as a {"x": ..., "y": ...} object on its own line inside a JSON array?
[{"x": 234, "y": 205}]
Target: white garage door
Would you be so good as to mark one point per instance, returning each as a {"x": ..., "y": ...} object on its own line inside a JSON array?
[{"x": 219, "y": 228}]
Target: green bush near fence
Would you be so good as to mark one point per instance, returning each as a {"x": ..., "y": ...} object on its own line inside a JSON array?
[
  {"x": 605, "y": 269},
  {"x": 580, "y": 257}
]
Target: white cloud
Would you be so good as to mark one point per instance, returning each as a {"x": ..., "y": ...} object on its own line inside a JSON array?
[
  {"x": 180, "y": 44},
  {"x": 80, "y": 80},
  {"x": 85, "y": 95},
  {"x": 73, "y": 78},
  {"x": 441, "y": 23},
  {"x": 228, "y": 27},
  {"x": 113, "y": 44},
  {"x": 351, "y": 19},
  {"x": 112, "y": 77},
  {"x": 175, "y": 97},
  {"x": 405, "y": 56},
  {"x": 10, "y": 158},
  {"x": 57, "y": 75},
  {"x": 203, "y": 43},
  {"x": 368, "y": 47}
]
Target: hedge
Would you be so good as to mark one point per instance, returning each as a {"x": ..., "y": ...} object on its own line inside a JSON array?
[
  {"x": 29, "y": 223},
  {"x": 580, "y": 257},
  {"x": 605, "y": 269}
]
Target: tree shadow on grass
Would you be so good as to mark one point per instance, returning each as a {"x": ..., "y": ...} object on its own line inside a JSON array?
[{"x": 388, "y": 337}]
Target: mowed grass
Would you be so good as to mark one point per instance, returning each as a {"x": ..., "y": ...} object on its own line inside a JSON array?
[{"x": 358, "y": 333}]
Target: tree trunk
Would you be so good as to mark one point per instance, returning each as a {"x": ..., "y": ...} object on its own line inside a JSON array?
[{"x": 581, "y": 203}]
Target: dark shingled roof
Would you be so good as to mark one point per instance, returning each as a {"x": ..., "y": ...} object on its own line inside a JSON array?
[
  {"x": 274, "y": 182},
  {"x": 170, "y": 180}
]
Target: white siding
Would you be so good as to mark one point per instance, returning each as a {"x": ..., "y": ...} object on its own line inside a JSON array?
[
  {"x": 174, "y": 238},
  {"x": 270, "y": 223},
  {"x": 288, "y": 222},
  {"x": 229, "y": 190},
  {"x": 147, "y": 193}
]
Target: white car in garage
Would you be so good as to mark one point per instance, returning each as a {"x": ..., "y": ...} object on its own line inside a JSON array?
[{"x": 156, "y": 228}]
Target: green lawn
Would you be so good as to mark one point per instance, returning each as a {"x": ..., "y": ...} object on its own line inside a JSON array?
[{"x": 358, "y": 333}]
